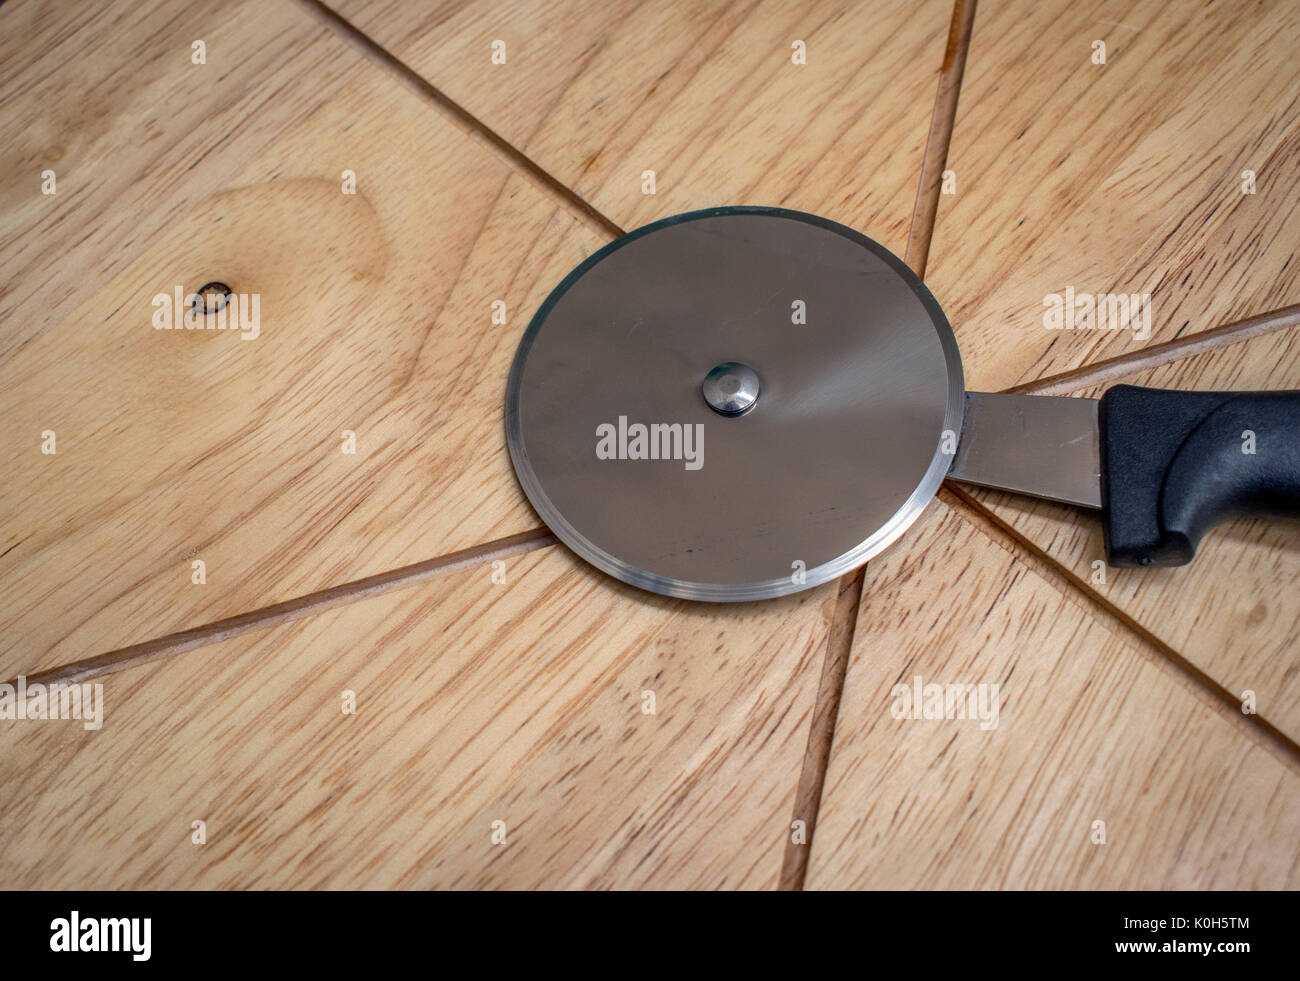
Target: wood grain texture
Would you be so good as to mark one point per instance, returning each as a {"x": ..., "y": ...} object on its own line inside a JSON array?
[
  {"x": 522, "y": 703},
  {"x": 1092, "y": 727},
  {"x": 1234, "y": 611},
  {"x": 106, "y": 96},
  {"x": 376, "y": 318},
  {"x": 1118, "y": 178},
  {"x": 476, "y": 702},
  {"x": 839, "y": 644},
  {"x": 705, "y": 95},
  {"x": 179, "y": 642}
]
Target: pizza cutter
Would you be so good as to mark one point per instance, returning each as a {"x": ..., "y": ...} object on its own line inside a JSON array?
[{"x": 741, "y": 402}]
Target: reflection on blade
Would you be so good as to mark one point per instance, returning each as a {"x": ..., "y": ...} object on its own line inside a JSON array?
[{"x": 1042, "y": 445}]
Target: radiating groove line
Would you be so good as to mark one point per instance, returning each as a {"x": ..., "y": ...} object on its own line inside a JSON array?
[
  {"x": 294, "y": 609},
  {"x": 821, "y": 733},
  {"x": 1159, "y": 354},
  {"x": 839, "y": 642},
  {"x": 467, "y": 122},
  {"x": 316, "y": 602},
  {"x": 840, "y": 638},
  {"x": 935, "y": 160},
  {"x": 1254, "y": 726},
  {"x": 1049, "y": 567}
]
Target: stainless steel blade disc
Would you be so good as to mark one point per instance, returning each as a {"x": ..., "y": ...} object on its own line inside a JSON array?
[{"x": 734, "y": 404}]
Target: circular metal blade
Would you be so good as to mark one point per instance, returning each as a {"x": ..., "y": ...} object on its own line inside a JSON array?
[{"x": 832, "y": 377}]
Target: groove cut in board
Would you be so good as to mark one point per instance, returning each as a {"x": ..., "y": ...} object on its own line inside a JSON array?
[
  {"x": 1233, "y": 611},
  {"x": 526, "y": 722},
  {"x": 708, "y": 97},
  {"x": 1076, "y": 759},
  {"x": 621, "y": 739},
  {"x": 377, "y": 330},
  {"x": 1167, "y": 171}
]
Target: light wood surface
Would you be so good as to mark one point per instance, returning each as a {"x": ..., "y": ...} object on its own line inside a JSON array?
[
  {"x": 1092, "y": 727},
  {"x": 476, "y": 702},
  {"x": 1232, "y": 611},
  {"x": 705, "y": 95},
  {"x": 376, "y": 318},
  {"x": 521, "y": 702},
  {"x": 378, "y": 321},
  {"x": 1117, "y": 178}
]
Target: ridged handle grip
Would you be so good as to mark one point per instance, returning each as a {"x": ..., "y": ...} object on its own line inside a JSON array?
[{"x": 1175, "y": 464}]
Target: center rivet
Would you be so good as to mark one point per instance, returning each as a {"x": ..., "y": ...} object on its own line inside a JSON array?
[{"x": 731, "y": 388}]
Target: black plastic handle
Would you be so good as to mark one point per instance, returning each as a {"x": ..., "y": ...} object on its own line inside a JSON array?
[{"x": 1175, "y": 464}]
